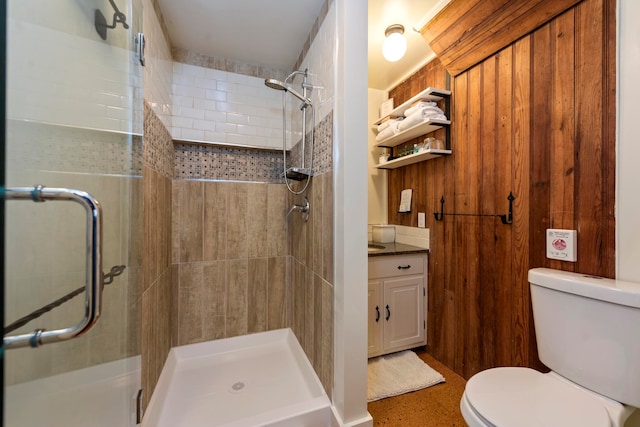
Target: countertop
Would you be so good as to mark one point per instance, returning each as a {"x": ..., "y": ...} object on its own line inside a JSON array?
[{"x": 395, "y": 248}]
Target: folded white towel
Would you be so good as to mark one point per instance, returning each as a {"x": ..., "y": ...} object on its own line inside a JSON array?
[
  {"x": 392, "y": 129},
  {"x": 418, "y": 106},
  {"x": 420, "y": 116},
  {"x": 382, "y": 126},
  {"x": 386, "y": 133}
]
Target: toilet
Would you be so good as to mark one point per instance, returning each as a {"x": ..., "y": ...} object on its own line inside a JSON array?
[{"x": 588, "y": 334}]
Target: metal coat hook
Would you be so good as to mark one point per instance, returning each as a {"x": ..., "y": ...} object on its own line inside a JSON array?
[
  {"x": 101, "y": 21},
  {"x": 505, "y": 218}
]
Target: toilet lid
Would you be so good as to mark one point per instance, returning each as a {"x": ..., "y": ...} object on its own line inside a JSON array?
[{"x": 524, "y": 397}]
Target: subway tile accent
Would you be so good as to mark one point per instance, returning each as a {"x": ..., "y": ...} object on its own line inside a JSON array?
[{"x": 217, "y": 106}]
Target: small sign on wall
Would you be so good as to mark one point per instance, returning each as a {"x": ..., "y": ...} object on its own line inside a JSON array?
[{"x": 561, "y": 244}]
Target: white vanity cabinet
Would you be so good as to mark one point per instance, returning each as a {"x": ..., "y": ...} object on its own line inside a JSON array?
[{"x": 397, "y": 303}]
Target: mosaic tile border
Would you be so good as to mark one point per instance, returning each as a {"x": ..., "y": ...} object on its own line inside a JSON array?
[
  {"x": 322, "y": 148},
  {"x": 158, "y": 146},
  {"x": 225, "y": 163}
]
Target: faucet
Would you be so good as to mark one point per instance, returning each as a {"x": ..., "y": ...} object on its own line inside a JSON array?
[{"x": 303, "y": 209}]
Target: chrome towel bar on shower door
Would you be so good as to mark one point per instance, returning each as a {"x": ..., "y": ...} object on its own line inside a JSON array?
[{"x": 93, "y": 283}]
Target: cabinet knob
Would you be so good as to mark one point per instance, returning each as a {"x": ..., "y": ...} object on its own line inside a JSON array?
[
  {"x": 377, "y": 314},
  {"x": 404, "y": 267},
  {"x": 388, "y": 313}
]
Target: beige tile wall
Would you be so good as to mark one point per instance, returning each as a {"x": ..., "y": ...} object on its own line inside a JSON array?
[
  {"x": 230, "y": 252},
  {"x": 235, "y": 276},
  {"x": 157, "y": 276},
  {"x": 312, "y": 279}
]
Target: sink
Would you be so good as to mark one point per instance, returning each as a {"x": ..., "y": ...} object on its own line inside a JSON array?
[{"x": 374, "y": 248}]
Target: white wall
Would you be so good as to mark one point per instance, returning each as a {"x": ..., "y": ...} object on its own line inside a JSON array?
[
  {"x": 377, "y": 181},
  {"x": 628, "y": 149},
  {"x": 350, "y": 221}
]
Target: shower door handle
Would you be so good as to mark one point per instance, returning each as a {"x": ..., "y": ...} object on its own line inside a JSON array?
[{"x": 93, "y": 283}]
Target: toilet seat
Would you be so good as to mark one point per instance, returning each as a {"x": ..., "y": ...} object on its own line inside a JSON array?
[{"x": 507, "y": 397}]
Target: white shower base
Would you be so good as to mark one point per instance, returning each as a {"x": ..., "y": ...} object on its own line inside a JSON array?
[
  {"x": 99, "y": 396},
  {"x": 262, "y": 379}
]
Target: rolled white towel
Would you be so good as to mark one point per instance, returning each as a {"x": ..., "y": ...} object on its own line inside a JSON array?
[
  {"x": 418, "y": 106},
  {"x": 386, "y": 133},
  {"x": 392, "y": 129},
  {"x": 382, "y": 126},
  {"x": 420, "y": 116}
]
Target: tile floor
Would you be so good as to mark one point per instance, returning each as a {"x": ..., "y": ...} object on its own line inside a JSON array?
[{"x": 436, "y": 406}]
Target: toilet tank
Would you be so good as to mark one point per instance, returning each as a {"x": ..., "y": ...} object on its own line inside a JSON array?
[{"x": 588, "y": 331}]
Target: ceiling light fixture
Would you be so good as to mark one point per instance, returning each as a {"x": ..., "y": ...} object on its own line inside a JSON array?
[{"x": 395, "y": 44}]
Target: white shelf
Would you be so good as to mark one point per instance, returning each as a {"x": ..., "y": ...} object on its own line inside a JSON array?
[
  {"x": 428, "y": 126},
  {"x": 413, "y": 158},
  {"x": 429, "y": 94}
]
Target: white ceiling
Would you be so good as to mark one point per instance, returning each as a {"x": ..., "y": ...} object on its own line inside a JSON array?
[
  {"x": 410, "y": 13},
  {"x": 272, "y": 33}
]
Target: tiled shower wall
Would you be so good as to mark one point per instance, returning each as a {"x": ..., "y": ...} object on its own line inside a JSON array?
[
  {"x": 232, "y": 243},
  {"x": 242, "y": 265},
  {"x": 230, "y": 256},
  {"x": 157, "y": 289},
  {"x": 211, "y": 105}
]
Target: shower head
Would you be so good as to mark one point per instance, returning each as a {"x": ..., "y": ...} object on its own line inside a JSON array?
[{"x": 278, "y": 85}]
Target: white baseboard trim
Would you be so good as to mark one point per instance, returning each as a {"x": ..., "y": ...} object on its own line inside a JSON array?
[{"x": 336, "y": 421}]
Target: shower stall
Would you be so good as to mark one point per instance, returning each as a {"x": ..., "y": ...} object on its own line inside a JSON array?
[{"x": 73, "y": 128}]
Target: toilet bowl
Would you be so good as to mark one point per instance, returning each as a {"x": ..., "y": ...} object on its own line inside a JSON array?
[
  {"x": 524, "y": 397},
  {"x": 586, "y": 330}
]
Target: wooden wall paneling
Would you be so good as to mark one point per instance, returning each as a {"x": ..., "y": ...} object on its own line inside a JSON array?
[
  {"x": 541, "y": 99},
  {"x": 448, "y": 330},
  {"x": 589, "y": 137},
  {"x": 436, "y": 259},
  {"x": 455, "y": 202},
  {"x": 609, "y": 135},
  {"x": 471, "y": 224},
  {"x": 435, "y": 288},
  {"x": 466, "y": 32},
  {"x": 489, "y": 146},
  {"x": 520, "y": 120},
  {"x": 521, "y": 317},
  {"x": 504, "y": 184},
  {"x": 450, "y": 251},
  {"x": 562, "y": 125}
]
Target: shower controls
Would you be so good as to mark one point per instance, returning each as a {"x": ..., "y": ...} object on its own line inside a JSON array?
[{"x": 301, "y": 173}]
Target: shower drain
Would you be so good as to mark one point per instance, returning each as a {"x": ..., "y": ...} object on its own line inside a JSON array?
[{"x": 238, "y": 387}]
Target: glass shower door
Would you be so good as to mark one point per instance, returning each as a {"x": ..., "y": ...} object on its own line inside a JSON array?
[{"x": 73, "y": 121}]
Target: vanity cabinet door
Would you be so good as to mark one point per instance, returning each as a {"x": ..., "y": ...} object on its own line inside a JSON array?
[
  {"x": 375, "y": 318},
  {"x": 403, "y": 313}
]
